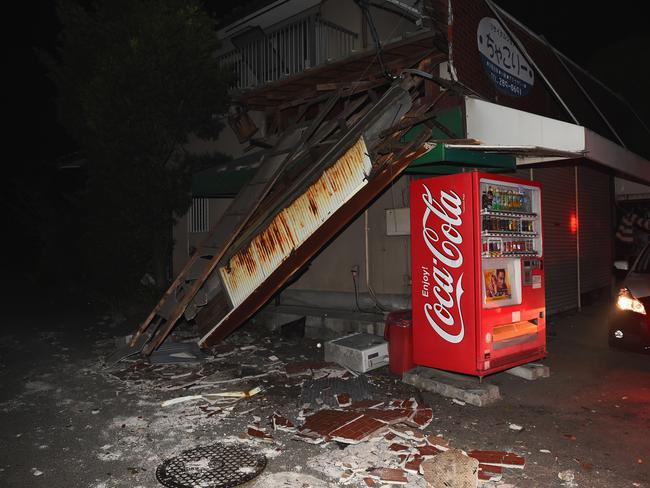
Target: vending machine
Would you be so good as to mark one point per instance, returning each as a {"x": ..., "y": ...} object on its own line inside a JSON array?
[{"x": 477, "y": 272}]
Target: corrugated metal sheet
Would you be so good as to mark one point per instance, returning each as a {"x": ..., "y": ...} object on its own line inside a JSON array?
[
  {"x": 250, "y": 266},
  {"x": 595, "y": 227},
  {"x": 560, "y": 263}
]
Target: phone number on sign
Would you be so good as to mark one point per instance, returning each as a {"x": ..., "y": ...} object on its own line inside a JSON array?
[{"x": 511, "y": 86}]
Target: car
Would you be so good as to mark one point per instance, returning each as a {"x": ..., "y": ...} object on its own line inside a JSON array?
[{"x": 629, "y": 324}]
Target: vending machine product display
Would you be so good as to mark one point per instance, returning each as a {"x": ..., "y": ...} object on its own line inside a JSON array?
[{"x": 477, "y": 273}]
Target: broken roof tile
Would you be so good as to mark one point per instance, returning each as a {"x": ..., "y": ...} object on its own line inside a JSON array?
[
  {"x": 390, "y": 475},
  {"x": 438, "y": 442},
  {"x": 259, "y": 433},
  {"x": 388, "y": 416},
  {"x": 326, "y": 421},
  {"x": 282, "y": 423},
  {"x": 421, "y": 418},
  {"x": 343, "y": 399},
  {"x": 361, "y": 404},
  {"x": 356, "y": 431},
  {"x": 399, "y": 447},
  {"x": 412, "y": 465},
  {"x": 498, "y": 458},
  {"x": 428, "y": 451}
]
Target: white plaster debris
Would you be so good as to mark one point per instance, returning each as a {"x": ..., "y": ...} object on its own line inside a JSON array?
[
  {"x": 129, "y": 423},
  {"x": 36, "y": 472},
  {"x": 38, "y": 387},
  {"x": 515, "y": 427},
  {"x": 360, "y": 456},
  {"x": 567, "y": 476},
  {"x": 458, "y": 402},
  {"x": 545, "y": 451},
  {"x": 287, "y": 479},
  {"x": 109, "y": 456}
]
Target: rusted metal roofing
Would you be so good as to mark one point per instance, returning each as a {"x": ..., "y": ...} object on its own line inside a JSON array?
[{"x": 253, "y": 264}]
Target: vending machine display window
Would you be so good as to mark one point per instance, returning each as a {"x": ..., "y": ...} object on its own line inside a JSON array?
[{"x": 501, "y": 283}]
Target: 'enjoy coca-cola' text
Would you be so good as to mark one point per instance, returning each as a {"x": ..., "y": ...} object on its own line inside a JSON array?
[{"x": 443, "y": 238}]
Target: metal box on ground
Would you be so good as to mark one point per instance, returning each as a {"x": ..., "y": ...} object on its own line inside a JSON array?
[{"x": 358, "y": 352}]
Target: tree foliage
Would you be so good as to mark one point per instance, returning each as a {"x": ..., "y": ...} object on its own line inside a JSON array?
[{"x": 135, "y": 78}]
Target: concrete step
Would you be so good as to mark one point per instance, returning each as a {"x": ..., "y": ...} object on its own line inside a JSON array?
[
  {"x": 530, "y": 371},
  {"x": 465, "y": 388}
]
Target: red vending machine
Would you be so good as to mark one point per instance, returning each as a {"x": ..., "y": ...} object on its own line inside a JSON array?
[{"x": 477, "y": 273}]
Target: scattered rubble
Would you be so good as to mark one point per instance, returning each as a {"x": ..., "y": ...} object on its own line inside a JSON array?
[
  {"x": 365, "y": 441},
  {"x": 567, "y": 476}
]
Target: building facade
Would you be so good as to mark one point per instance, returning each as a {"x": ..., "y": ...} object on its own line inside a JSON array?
[{"x": 501, "y": 91}]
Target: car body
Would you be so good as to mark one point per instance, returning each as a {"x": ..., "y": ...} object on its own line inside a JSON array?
[{"x": 629, "y": 324}]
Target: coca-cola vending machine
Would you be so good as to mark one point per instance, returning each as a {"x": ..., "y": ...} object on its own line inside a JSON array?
[{"x": 477, "y": 272}]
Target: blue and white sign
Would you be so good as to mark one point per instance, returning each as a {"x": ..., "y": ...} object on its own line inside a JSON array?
[{"x": 505, "y": 65}]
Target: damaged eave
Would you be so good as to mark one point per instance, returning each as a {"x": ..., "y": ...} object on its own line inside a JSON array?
[
  {"x": 535, "y": 139},
  {"x": 359, "y": 67},
  {"x": 312, "y": 209}
]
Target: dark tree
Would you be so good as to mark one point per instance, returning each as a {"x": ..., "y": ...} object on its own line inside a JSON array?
[{"x": 135, "y": 78}]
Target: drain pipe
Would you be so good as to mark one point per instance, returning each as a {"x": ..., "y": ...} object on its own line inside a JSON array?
[
  {"x": 575, "y": 177},
  {"x": 371, "y": 292},
  {"x": 366, "y": 254}
]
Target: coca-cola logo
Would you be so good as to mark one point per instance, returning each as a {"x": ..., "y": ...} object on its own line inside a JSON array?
[{"x": 443, "y": 240}]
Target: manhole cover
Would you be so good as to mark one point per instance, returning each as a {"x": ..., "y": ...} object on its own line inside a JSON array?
[{"x": 213, "y": 466}]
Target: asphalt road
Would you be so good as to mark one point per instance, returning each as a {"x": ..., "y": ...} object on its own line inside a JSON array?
[{"x": 66, "y": 422}]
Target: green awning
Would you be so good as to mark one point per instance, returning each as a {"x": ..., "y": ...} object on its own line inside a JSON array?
[
  {"x": 226, "y": 179},
  {"x": 445, "y": 159}
]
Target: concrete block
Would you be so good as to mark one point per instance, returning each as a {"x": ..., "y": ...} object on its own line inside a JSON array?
[
  {"x": 530, "y": 371},
  {"x": 465, "y": 388}
]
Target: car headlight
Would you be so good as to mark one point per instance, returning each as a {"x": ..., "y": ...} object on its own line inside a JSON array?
[{"x": 626, "y": 301}]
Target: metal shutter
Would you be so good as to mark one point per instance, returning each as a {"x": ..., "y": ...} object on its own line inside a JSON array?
[
  {"x": 595, "y": 228},
  {"x": 560, "y": 264}
]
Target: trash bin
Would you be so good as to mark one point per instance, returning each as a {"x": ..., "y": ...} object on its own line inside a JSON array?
[{"x": 398, "y": 331}]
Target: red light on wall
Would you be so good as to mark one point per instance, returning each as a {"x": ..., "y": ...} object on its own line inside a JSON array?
[{"x": 573, "y": 223}]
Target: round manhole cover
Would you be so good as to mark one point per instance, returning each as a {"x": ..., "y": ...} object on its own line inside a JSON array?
[{"x": 214, "y": 466}]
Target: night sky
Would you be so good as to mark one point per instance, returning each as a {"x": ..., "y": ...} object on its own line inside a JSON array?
[{"x": 578, "y": 29}]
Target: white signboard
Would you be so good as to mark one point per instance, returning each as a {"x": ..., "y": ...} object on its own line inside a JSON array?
[{"x": 507, "y": 68}]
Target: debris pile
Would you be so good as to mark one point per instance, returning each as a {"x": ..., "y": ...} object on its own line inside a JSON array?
[
  {"x": 384, "y": 442},
  {"x": 367, "y": 442}
]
